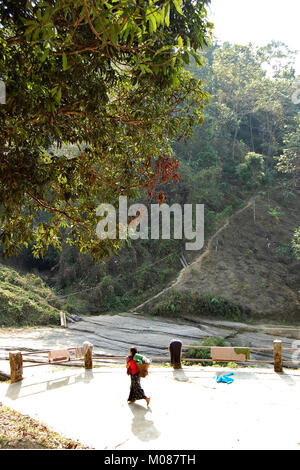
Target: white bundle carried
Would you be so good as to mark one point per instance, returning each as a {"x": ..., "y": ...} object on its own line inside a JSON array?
[
  {"x": 143, "y": 364},
  {"x": 146, "y": 360}
]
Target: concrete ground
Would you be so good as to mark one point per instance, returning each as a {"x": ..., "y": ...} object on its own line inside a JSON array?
[{"x": 188, "y": 410}]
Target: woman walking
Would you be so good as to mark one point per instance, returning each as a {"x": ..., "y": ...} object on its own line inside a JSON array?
[{"x": 136, "y": 391}]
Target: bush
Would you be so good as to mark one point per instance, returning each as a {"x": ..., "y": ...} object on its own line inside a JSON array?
[
  {"x": 251, "y": 171},
  {"x": 178, "y": 304}
]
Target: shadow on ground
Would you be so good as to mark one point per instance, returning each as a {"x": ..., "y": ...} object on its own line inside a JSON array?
[{"x": 143, "y": 428}]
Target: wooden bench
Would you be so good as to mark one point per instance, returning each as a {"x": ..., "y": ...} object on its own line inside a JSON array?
[
  {"x": 59, "y": 355},
  {"x": 220, "y": 353}
]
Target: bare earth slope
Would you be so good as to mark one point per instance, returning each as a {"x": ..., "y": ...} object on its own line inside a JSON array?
[{"x": 246, "y": 260}]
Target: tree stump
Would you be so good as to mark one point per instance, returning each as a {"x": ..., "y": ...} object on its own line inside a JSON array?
[
  {"x": 16, "y": 366},
  {"x": 88, "y": 359},
  {"x": 277, "y": 345}
]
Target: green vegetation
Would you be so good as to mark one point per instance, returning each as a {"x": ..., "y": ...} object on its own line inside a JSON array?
[
  {"x": 96, "y": 92},
  {"x": 289, "y": 160},
  {"x": 275, "y": 213},
  {"x": 251, "y": 171},
  {"x": 180, "y": 304},
  {"x": 296, "y": 243},
  {"x": 26, "y": 300},
  {"x": 287, "y": 250},
  {"x": 129, "y": 132}
]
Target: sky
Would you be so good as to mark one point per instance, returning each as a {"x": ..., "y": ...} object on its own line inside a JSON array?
[{"x": 257, "y": 21}]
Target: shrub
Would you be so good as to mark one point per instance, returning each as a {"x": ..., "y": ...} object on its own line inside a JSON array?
[
  {"x": 178, "y": 304},
  {"x": 251, "y": 171}
]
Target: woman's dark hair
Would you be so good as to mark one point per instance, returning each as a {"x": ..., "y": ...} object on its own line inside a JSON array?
[{"x": 133, "y": 351}]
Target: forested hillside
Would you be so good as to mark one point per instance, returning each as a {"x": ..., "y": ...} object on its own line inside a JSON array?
[
  {"x": 248, "y": 144},
  {"x": 249, "y": 270}
]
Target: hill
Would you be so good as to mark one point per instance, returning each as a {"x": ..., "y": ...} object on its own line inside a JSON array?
[
  {"x": 26, "y": 300},
  {"x": 248, "y": 145},
  {"x": 247, "y": 268}
]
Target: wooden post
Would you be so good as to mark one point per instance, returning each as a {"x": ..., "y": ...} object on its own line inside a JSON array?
[
  {"x": 63, "y": 321},
  {"x": 16, "y": 366},
  {"x": 277, "y": 348},
  {"x": 175, "y": 349},
  {"x": 88, "y": 358}
]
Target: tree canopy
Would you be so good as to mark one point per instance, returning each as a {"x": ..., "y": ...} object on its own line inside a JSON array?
[{"x": 107, "y": 80}]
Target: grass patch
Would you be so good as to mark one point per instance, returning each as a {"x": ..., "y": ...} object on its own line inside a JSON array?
[{"x": 19, "y": 431}]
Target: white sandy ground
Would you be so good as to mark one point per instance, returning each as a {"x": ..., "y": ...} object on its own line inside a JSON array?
[{"x": 188, "y": 409}]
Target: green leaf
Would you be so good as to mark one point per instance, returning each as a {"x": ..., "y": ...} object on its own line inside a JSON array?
[
  {"x": 162, "y": 49},
  {"x": 64, "y": 61},
  {"x": 45, "y": 55},
  {"x": 186, "y": 58},
  {"x": 177, "y": 5},
  {"x": 58, "y": 94},
  {"x": 197, "y": 58},
  {"x": 145, "y": 68},
  {"x": 167, "y": 14},
  {"x": 152, "y": 24}
]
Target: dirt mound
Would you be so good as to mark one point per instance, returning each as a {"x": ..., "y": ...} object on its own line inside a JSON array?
[{"x": 249, "y": 261}]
